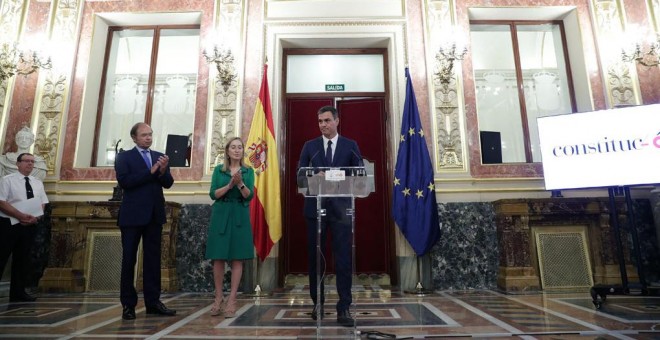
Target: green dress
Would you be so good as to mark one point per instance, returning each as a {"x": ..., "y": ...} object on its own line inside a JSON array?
[{"x": 230, "y": 232}]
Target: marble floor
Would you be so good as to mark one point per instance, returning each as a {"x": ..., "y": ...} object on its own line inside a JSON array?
[{"x": 286, "y": 315}]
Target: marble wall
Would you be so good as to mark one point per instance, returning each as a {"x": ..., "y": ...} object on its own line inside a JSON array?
[
  {"x": 466, "y": 255},
  {"x": 647, "y": 233},
  {"x": 195, "y": 273}
]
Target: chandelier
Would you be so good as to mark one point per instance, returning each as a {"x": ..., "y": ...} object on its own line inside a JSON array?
[{"x": 14, "y": 61}]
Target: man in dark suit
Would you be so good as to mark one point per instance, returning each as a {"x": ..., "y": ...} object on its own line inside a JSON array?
[
  {"x": 142, "y": 174},
  {"x": 331, "y": 150}
]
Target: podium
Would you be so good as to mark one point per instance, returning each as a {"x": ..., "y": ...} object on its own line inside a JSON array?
[{"x": 335, "y": 188}]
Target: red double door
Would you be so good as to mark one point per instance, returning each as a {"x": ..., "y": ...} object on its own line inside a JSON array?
[{"x": 363, "y": 120}]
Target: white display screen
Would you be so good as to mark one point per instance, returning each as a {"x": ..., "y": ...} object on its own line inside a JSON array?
[{"x": 601, "y": 149}]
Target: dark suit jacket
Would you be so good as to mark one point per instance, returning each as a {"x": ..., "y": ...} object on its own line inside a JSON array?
[
  {"x": 143, "y": 191},
  {"x": 347, "y": 153}
]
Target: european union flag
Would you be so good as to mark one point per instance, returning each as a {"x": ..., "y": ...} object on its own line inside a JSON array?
[{"x": 414, "y": 206}]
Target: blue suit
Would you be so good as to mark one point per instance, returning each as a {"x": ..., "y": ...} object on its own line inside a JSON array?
[
  {"x": 346, "y": 154},
  {"x": 141, "y": 215}
]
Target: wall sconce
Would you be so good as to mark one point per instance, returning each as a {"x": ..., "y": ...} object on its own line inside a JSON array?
[
  {"x": 224, "y": 63},
  {"x": 445, "y": 58},
  {"x": 13, "y": 62},
  {"x": 636, "y": 54}
]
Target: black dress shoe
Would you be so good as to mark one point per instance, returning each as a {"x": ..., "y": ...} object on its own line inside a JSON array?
[
  {"x": 128, "y": 313},
  {"x": 160, "y": 309},
  {"x": 315, "y": 313},
  {"x": 344, "y": 318},
  {"x": 25, "y": 297}
]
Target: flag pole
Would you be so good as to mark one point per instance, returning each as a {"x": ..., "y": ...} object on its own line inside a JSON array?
[
  {"x": 257, "y": 288},
  {"x": 262, "y": 155},
  {"x": 419, "y": 288}
]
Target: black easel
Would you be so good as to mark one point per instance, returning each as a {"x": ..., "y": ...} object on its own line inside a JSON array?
[{"x": 599, "y": 292}]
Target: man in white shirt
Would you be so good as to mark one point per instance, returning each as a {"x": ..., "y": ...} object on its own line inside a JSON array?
[{"x": 16, "y": 226}]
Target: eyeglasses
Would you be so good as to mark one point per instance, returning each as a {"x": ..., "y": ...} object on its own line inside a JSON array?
[{"x": 27, "y": 161}]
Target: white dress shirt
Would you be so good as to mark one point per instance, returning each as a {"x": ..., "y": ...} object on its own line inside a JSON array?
[
  {"x": 12, "y": 189},
  {"x": 333, "y": 146}
]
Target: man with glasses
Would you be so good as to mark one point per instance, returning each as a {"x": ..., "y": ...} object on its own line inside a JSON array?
[{"x": 22, "y": 201}]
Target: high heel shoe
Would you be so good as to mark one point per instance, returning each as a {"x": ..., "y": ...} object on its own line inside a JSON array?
[
  {"x": 230, "y": 309},
  {"x": 216, "y": 309}
]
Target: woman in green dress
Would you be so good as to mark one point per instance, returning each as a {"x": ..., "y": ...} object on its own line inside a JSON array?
[{"x": 230, "y": 232}]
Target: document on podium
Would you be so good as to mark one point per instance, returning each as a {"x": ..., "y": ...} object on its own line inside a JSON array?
[{"x": 31, "y": 207}]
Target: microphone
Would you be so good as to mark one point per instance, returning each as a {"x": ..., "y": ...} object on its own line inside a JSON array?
[
  {"x": 310, "y": 173},
  {"x": 361, "y": 172},
  {"x": 360, "y": 163}
]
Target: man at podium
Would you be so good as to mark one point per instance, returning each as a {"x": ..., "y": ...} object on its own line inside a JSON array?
[{"x": 331, "y": 150}]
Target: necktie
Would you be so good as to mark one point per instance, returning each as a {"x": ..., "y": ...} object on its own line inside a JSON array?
[
  {"x": 28, "y": 188},
  {"x": 328, "y": 153},
  {"x": 146, "y": 158}
]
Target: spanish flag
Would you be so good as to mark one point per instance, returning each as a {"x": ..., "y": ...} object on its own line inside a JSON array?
[{"x": 265, "y": 208}]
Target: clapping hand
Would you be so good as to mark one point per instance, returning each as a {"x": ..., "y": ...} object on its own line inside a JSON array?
[
  {"x": 161, "y": 164},
  {"x": 236, "y": 178}
]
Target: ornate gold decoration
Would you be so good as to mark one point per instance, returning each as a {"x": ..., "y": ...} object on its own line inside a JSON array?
[
  {"x": 11, "y": 18},
  {"x": 224, "y": 63},
  {"x": 14, "y": 61},
  {"x": 445, "y": 59},
  {"x": 48, "y": 131},
  {"x": 447, "y": 115},
  {"x": 621, "y": 85},
  {"x": 620, "y": 77},
  {"x": 638, "y": 53},
  {"x": 53, "y": 88},
  {"x": 226, "y": 96}
]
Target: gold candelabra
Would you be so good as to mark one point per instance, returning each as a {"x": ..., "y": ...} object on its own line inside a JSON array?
[
  {"x": 14, "y": 61},
  {"x": 649, "y": 58},
  {"x": 445, "y": 58},
  {"x": 224, "y": 63}
]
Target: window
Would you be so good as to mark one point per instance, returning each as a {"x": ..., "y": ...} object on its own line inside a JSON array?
[
  {"x": 150, "y": 75},
  {"x": 521, "y": 72}
]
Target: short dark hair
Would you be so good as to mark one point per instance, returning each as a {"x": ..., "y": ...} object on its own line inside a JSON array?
[
  {"x": 20, "y": 157},
  {"x": 135, "y": 128},
  {"x": 335, "y": 113}
]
